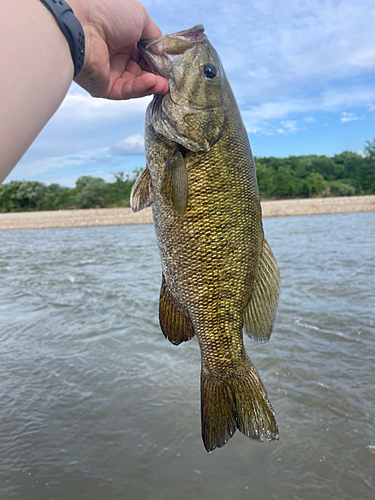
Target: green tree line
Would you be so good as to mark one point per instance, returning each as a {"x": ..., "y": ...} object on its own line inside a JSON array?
[
  {"x": 344, "y": 174},
  {"x": 89, "y": 192}
]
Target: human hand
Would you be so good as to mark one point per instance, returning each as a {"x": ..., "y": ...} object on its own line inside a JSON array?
[{"x": 113, "y": 66}]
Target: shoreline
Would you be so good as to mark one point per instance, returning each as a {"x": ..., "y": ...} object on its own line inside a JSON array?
[{"x": 125, "y": 216}]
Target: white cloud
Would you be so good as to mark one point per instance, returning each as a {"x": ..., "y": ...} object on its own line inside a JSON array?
[
  {"x": 289, "y": 127},
  {"x": 273, "y": 51},
  {"x": 350, "y": 96},
  {"x": 49, "y": 163},
  {"x": 83, "y": 123},
  {"x": 267, "y": 49},
  {"x": 328, "y": 101},
  {"x": 49, "y": 167},
  {"x": 281, "y": 128},
  {"x": 285, "y": 63},
  {"x": 79, "y": 105},
  {"x": 132, "y": 145},
  {"x": 279, "y": 48},
  {"x": 349, "y": 117}
]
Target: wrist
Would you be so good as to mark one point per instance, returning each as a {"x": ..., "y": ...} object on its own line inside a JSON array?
[
  {"x": 34, "y": 20},
  {"x": 71, "y": 28},
  {"x": 80, "y": 9}
]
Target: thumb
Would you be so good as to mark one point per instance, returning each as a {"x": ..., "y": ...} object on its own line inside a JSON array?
[{"x": 150, "y": 29}]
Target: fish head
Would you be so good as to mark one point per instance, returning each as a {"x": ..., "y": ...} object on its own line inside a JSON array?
[{"x": 192, "y": 112}]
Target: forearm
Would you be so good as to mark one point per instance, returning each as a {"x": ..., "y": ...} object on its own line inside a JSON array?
[
  {"x": 35, "y": 75},
  {"x": 37, "y": 68}
]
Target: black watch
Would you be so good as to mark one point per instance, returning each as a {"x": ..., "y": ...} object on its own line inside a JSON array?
[{"x": 71, "y": 28}]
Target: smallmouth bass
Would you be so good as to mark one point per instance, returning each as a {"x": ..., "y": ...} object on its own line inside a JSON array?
[{"x": 220, "y": 277}]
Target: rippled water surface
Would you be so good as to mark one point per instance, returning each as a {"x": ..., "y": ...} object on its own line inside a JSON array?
[{"x": 97, "y": 405}]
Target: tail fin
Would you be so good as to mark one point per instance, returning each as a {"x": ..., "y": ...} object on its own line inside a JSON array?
[{"x": 235, "y": 402}]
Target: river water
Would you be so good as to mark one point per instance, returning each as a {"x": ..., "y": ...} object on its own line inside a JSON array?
[{"x": 97, "y": 405}]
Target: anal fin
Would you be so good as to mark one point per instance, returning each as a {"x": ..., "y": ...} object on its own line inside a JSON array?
[
  {"x": 175, "y": 325},
  {"x": 142, "y": 195},
  {"x": 260, "y": 311}
]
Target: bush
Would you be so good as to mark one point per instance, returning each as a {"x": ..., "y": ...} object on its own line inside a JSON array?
[
  {"x": 314, "y": 184},
  {"x": 91, "y": 192},
  {"x": 8, "y": 197},
  {"x": 367, "y": 176},
  {"x": 50, "y": 197},
  {"x": 265, "y": 178},
  {"x": 339, "y": 188},
  {"x": 286, "y": 183},
  {"x": 119, "y": 192},
  {"x": 66, "y": 198},
  {"x": 31, "y": 194}
]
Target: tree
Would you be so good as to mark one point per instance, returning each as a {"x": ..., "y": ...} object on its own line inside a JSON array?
[
  {"x": 66, "y": 198},
  {"x": 339, "y": 188},
  {"x": 119, "y": 192},
  {"x": 324, "y": 166},
  {"x": 50, "y": 197},
  {"x": 8, "y": 196},
  {"x": 28, "y": 195},
  {"x": 31, "y": 194},
  {"x": 370, "y": 150},
  {"x": 91, "y": 192},
  {"x": 314, "y": 183},
  {"x": 265, "y": 176},
  {"x": 303, "y": 167},
  {"x": 367, "y": 171},
  {"x": 286, "y": 183},
  {"x": 367, "y": 176}
]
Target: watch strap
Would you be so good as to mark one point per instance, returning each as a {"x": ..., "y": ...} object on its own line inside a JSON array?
[{"x": 71, "y": 28}]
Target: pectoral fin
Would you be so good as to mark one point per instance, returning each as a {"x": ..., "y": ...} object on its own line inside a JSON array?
[
  {"x": 142, "y": 195},
  {"x": 260, "y": 312},
  {"x": 176, "y": 326},
  {"x": 180, "y": 183}
]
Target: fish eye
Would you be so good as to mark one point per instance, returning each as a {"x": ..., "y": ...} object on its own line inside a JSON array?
[{"x": 210, "y": 71}]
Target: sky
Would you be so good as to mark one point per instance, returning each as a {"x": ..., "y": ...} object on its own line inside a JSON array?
[{"x": 302, "y": 71}]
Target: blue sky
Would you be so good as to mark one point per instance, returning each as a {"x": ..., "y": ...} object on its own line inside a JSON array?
[{"x": 303, "y": 72}]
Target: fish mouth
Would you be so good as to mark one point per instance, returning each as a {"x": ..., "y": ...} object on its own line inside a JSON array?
[
  {"x": 156, "y": 46},
  {"x": 196, "y": 33},
  {"x": 160, "y": 52}
]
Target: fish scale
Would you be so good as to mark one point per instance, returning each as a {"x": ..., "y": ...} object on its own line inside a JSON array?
[{"x": 219, "y": 275}]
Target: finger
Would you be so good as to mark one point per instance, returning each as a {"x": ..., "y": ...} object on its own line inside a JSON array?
[
  {"x": 148, "y": 84},
  {"x": 133, "y": 68},
  {"x": 150, "y": 29},
  {"x": 161, "y": 86},
  {"x": 141, "y": 86},
  {"x": 144, "y": 65}
]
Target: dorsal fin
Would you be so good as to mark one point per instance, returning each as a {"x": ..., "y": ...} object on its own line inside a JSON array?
[
  {"x": 260, "y": 312},
  {"x": 142, "y": 195}
]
